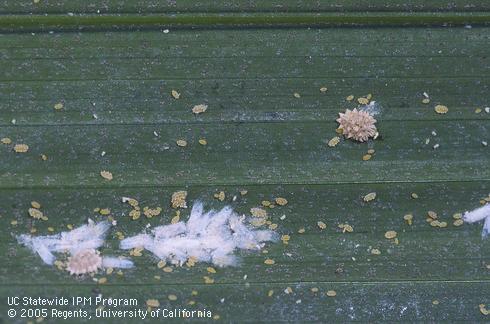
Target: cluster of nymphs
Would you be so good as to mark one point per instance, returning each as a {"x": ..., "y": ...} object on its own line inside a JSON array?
[
  {"x": 359, "y": 124},
  {"x": 482, "y": 213},
  {"x": 209, "y": 237}
]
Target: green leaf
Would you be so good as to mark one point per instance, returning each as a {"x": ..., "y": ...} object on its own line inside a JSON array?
[{"x": 115, "y": 85}]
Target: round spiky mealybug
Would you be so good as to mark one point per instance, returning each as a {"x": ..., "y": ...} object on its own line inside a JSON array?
[
  {"x": 357, "y": 124},
  {"x": 84, "y": 261}
]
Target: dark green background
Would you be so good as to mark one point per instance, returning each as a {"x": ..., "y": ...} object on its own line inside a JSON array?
[{"x": 260, "y": 138}]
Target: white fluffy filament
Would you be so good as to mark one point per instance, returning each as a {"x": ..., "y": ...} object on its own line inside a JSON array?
[
  {"x": 207, "y": 237},
  {"x": 113, "y": 262},
  {"x": 478, "y": 215},
  {"x": 90, "y": 236}
]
